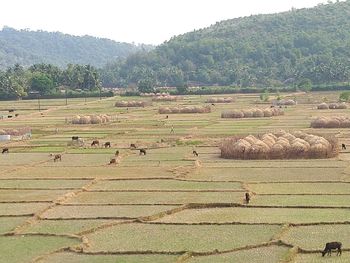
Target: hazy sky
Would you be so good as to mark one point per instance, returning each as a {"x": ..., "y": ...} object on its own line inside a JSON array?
[{"x": 139, "y": 21}]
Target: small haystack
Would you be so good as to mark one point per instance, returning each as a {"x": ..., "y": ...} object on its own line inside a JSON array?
[
  {"x": 332, "y": 106},
  {"x": 90, "y": 119},
  {"x": 220, "y": 100},
  {"x": 186, "y": 109},
  {"x": 252, "y": 113},
  {"x": 132, "y": 103},
  {"x": 331, "y": 122}
]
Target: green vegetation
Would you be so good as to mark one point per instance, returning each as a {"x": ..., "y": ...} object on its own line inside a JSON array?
[
  {"x": 295, "y": 48},
  {"x": 32, "y": 47}
]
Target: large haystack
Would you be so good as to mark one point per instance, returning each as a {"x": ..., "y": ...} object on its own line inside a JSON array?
[
  {"x": 281, "y": 145},
  {"x": 132, "y": 103},
  {"x": 332, "y": 106},
  {"x": 186, "y": 109},
  {"x": 284, "y": 102},
  {"x": 165, "y": 97},
  {"x": 331, "y": 122},
  {"x": 220, "y": 100},
  {"x": 252, "y": 113}
]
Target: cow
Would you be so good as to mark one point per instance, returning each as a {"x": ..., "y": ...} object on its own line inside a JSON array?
[
  {"x": 116, "y": 153},
  {"x": 11, "y": 110},
  {"x": 195, "y": 153},
  {"x": 75, "y": 138},
  {"x": 9, "y": 116},
  {"x": 213, "y": 104},
  {"x": 133, "y": 146},
  {"x": 343, "y": 146},
  {"x": 247, "y": 198},
  {"x": 142, "y": 152},
  {"x": 95, "y": 143},
  {"x": 17, "y": 114},
  {"x": 57, "y": 157},
  {"x": 113, "y": 161},
  {"x": 5, "y": 150},
  {"x": 167, "y": 117},
  {"x": 332, "y": 246},
  {"x": 107, "y": 145}
]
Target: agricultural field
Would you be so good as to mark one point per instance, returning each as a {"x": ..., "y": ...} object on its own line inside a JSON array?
[{"x": 168, "y": 205}]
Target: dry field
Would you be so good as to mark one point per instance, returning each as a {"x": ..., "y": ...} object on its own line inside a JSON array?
[{"x": 169, "y": 205}]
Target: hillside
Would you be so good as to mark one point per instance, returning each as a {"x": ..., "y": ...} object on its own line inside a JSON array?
[
  {"x": 259, "y": 50},
  {"x": 31, "y": 47}
]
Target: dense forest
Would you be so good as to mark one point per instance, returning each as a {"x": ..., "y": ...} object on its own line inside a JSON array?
[
  {"x": 46, "y": 80},
  {"x": 298, "y": 46},
  {"x": 26, "y": 48}
]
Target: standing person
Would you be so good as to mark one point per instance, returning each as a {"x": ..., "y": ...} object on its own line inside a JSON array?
[{"x": 172, "y": 129}]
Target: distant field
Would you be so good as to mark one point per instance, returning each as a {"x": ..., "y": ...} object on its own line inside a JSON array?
[{"x": 165, "y": 205}]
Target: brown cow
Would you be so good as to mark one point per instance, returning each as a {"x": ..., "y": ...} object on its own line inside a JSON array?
[
  {"x": 57, "y": 157},
  {"x": 5, "y": 150},
  {"x": 95, "y": 143},
  {"x": 133, "y": 146},
  {"x": 113, "y": 161},
  {"x": 195, "y": 153},
  {"x": 142, "y": 151},
  {"x": 107, "y": 145},
  {"x": 116, "y": 153}
]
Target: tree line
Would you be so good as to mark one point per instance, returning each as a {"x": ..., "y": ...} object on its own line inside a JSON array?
[{"x": 47, "y": 79}]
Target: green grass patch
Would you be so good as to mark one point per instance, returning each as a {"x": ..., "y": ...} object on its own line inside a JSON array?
[
  {"x": 45, "y": 184},
  {"x": 199, "y": 238},
  {"x": 7, "y": 224}
]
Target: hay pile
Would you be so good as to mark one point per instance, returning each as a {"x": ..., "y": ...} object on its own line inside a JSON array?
[
  {"x": 152, "y": 94},
  {"x": 252, "y": 113},
  {"x": 132, "y": 103},
  {"x": 166, "y": 97},
  {"x": 90, "y": 119},
  {"x": 331, "y": 122},
  {"x": 286, "y": 102},
  {"x": 187, "y": 109},
  {"x": 220, "y": 100},
  {"x": 332, "y": 106},
  {"x": 281, "y": 145},
  {"x": 15, "y": 132}
]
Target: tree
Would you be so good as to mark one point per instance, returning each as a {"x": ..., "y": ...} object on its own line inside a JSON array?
[
  {"x": 42, "y": 83},
  {"x": 146, "y": 85},
  {"x": 183, "y": 89},
  {"x": 305, "y": 84}
]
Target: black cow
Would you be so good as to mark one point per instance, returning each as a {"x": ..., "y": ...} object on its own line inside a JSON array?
[
  {"x": 142, "y": 152},
  {"x": 116, "y": 153},
  {"x": 195, "y": 153},
  {"x": 5, "y": 150},
  {"x": 343, "y": 146},
  {"x": 11, "y": 110},
  {"x": 332, "y": 246},
  {"x": 75, "y": 138},
  {"x": 107, "y": 145},
  {"x": 113, "y": 161}
]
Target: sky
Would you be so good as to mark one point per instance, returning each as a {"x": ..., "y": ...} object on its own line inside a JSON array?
[{"x": 138, "y": 21}]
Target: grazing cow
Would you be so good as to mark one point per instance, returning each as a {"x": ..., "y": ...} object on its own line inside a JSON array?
[
  {"x": 343, "y": 146},
  {"x": 75, "y": 138},
  {"x": 142, "y": 152},
  {"x": 195, "y": 153},
  {"x": 5, "y": 150},
  {"x": 213, "y": 104},
  {"x": 57, "y": 157},
  {"x": 113, "y": 161},
  {"x": 133, "y": 146},
  {"x": 107, "y": 145},
  {"x": 247, "y": 198},
  {"x": 17, "y": 114},
  {"x": 95, "y": 143},
  {"x": 272, "y": 106},
  {"x": 167, "y": 117},
  {"x": 332, "y": 246},
  {"x": 116, "y": 153},
  {"x": 9, "y": 116},
  {"x": 11, "y": 110}
]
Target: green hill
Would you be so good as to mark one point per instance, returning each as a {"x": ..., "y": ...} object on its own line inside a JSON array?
[
  {"x": 31, "y": 47},
  {"x": 260, "y": 50}
]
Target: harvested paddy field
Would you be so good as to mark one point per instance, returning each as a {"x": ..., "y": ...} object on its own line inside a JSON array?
[{"x": 181, "y": 202}]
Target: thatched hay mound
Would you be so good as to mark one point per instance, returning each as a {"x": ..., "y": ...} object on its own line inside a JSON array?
[
  {"x": 90, "y": 119},
  {"x": 220, "y": 100},
  {"x": 332, "y": 106},
  {"x": 286, "y": 102},
  {"x": 281, "y": 145},
  {"x": 252, "y": 113},
  {"x": 187, "y": 109},
  {"x": 165, "y": 98},
  {"x": 331, "y": 122},
  {"x": 132, "y": 103}
]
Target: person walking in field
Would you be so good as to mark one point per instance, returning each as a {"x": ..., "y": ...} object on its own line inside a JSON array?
[{"x": 172, "y": 129}]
